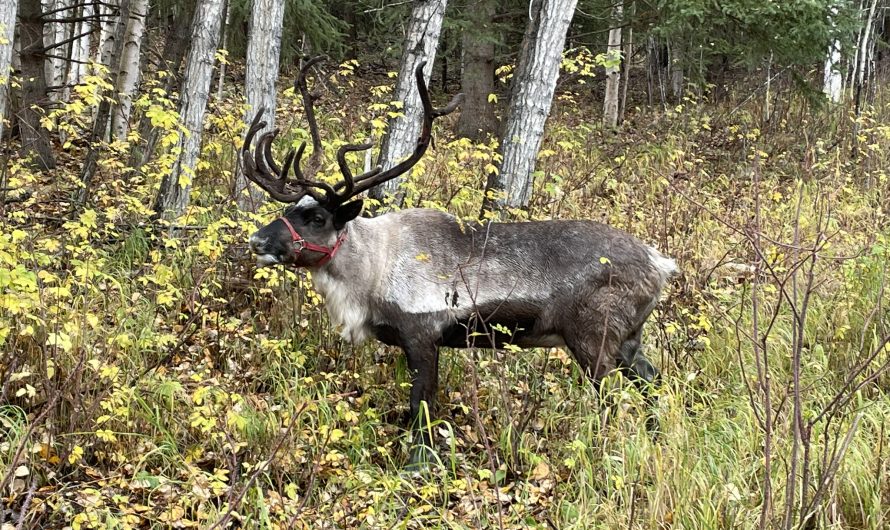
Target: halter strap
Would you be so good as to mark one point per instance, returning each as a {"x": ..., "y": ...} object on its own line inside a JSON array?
[{"x": 303, "y": 244}]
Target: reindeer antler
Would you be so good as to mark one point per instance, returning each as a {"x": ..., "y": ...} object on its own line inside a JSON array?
[{"x": 263, "y": 170}]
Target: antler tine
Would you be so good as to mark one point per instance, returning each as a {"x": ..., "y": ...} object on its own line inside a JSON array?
[
  {"x": 375, "y": 176},
  {"x": 267, "y": 153},
  {"x": 309, "y": 184},
  {"x": 263, "y": 153},
  {"x": 261, "y": 168},
  {"x": 348, "y": 183},
  {"x": 309, "y": 109}
]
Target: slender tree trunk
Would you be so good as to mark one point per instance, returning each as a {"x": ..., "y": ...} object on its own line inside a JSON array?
[
  {"x": 221, "y": 78},
  {"x": 477, "y": 118},
  {"x": 626, "y": 60},
  {"x": 35, "y": 138},
  {"x": 7, "y": 33},
  {"x": 103, "y": 113},
  {"x": 173, "y": 197},
  {"x": 613, "y": 69},
  {"x": 54, "y": 32},
  {"x": 863, "y": 53},
  {"x": 532, "y": 95},
  {"x": 675, "y": 54},
  {"x": 109, "y": 16},
  {"x": 81, "y": 52},
  {"x": 832, "y": 78},
  {"x": 420, "y": 45},
  {"x": 652, "y": 70},
  {"x": 263, "y": 51},
  {"x": 130, "y": 63},
  {"x": 864, "y": 44},
  {"x": 80, "y": 49},
  {"x": 173, "y": 55}
]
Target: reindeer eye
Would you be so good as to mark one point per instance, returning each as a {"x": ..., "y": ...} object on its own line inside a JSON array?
[{"x": 318, "y": 221}]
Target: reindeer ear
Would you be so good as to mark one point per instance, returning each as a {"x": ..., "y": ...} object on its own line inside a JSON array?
[{"x": 347, "y": 212}]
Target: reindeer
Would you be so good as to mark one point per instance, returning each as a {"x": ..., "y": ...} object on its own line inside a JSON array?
[{"x": 421, "y": 279}]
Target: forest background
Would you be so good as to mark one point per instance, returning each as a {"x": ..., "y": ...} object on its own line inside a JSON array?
[{"x": 152, "y": 377}]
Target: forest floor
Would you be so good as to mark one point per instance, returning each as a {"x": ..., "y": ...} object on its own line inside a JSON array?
[{"x": 154, "y": 378}]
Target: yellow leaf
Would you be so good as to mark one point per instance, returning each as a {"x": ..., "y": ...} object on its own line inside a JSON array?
[{"x": 76, "y": 454}]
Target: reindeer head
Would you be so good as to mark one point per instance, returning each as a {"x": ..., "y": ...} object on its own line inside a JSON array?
[{"x": 311, "y": 231}]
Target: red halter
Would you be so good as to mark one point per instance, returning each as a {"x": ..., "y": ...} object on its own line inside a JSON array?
[{"x": 303, "y": 244}]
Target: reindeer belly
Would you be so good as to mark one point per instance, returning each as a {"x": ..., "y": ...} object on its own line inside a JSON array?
[{"x": 518, "y": 323}]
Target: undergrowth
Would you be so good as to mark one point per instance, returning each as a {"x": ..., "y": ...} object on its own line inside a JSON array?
[{"x": 153, "y": 378}]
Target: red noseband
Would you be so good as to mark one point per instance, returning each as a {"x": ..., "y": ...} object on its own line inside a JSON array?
[{"x": 306, "y": 245}]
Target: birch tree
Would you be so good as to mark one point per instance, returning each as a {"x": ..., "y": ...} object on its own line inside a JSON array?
[
  {"x": 477, "y": 117},
  {"x": 532, "y": 95},
  {"x": 7, "y": 31},
  {"x": 54, "y": 32},
  {"x": 421, "y": 41},
  {"x": 35, "y": 138},
  {"x": 863, "y": 53},
  {"x": 80, "y": 48},
  {"x": 263, "y": 51},
  {"x": 129, "y": 70},
  {"x": 613, "y": 69},
  {"x": 108, "y": 15},
  {"x": 173, "y": 197},
  {"x": 103, "y": 111}
]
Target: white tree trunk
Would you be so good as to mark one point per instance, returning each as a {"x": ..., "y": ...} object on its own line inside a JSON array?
[
  {"x": 54, "y": 32},
  {"x": 864, "y": 44},
  {"x": 832, "y": 84},
  {"x": 421, "y": 42},
  {"x": 263, "y": 51},
  {"x": 8, "y": 10},
  {"x": 613, "y": 69},
  {"x": 532, "y": 95},
  {"x": 675, "y": 55},
  {"x": 106, "y": 33},
  {"x": 129, "y": 68},
  {"x": 173, "y": 197},
  {"x": 832, "y": 80},
  {"x": 80, "y": 50}
]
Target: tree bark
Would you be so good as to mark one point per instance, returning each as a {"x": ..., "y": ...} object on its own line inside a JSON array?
[
  {"x": 108, "y": 17},
  {"x": 35, "y": 138},
  {"x": 7, "y": 33},
  {"x": 80, "y": 49},
  {"x": 173, "y": 55},
  {"x": 103, "y": 113},
  {"x": 420, "y": 45},
  {"x": 128, "y": 80},
  {"x": 477, "y": 117},
  {"x": 263, "y": 52},
  {"x": 173, "y": 197},
  {"x": 54, "y": 32},
  {"x": 533, "y": 88},
  {"x": 626, "y": 61},
  {"x": 832, "y": 78},
  {"x": 224, "y": 45},
  {"x": 675, "y": 54},
  {"x": 613, "y": 69}
]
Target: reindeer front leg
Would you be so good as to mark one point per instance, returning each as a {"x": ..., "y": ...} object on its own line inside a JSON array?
[{"x": 423, "y": 364}]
